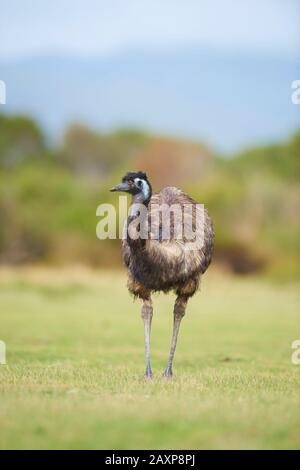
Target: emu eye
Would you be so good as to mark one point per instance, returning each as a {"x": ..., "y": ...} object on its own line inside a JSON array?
[{"x": 139, "y": 184}]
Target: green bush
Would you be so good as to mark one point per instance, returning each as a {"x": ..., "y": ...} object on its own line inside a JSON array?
[{"x": 49, "y": 195}]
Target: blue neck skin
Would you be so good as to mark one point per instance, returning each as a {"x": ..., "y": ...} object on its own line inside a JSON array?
[{"x": 143, "y": 197}]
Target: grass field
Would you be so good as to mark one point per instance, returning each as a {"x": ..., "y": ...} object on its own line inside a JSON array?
[{"x": 75, "y": 362}]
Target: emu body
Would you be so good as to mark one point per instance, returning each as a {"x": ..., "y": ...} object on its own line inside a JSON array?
[{"x": 159, "y": 264}]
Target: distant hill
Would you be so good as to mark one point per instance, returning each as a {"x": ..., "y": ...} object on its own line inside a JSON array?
[{"x": 228, "y": 101}]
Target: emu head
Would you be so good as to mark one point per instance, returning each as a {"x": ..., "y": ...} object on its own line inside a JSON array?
[{"x": 136, "y": 184}]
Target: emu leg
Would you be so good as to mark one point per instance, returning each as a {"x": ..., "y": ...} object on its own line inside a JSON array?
[
  {"x": 179, "y": 312},
  {"x": 147, "y": 312}
]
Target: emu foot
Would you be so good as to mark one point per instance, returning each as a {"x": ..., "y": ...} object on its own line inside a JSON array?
[
  {"x": 148, "y": 378},
  {"x": 168, "y": 373},
  {"x": 148, "y": 374}
]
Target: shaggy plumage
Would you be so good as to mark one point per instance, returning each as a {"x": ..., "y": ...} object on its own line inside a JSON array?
[
  {"x": 164, "y": 265},
  {"x": 159, "y": 263}
]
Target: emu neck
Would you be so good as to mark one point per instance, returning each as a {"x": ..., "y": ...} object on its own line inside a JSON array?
[{"x": 137, "y": 199}]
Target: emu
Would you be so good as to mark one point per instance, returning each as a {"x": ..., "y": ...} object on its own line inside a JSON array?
[{"x": 163, "y": 264}]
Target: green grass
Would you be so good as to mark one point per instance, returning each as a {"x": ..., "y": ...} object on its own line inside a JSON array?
[{"x": 76, "y": 361}]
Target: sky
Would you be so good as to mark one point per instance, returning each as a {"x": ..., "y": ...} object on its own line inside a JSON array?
[
  {"x": 217, "y": 70},
  {"x": 101, "y": 27}
]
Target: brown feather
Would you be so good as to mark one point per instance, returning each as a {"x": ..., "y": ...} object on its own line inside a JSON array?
[{"x": 168, "y": 264}]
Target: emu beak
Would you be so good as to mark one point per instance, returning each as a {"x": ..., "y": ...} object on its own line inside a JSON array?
[{"x": 120, "y": 187}]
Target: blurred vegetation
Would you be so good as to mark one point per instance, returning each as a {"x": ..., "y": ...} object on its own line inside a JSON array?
[{"x": 49, "y": 195}]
